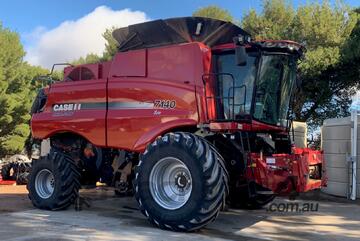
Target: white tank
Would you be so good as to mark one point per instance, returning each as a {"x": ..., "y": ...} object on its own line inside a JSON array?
[{"x": 336, "y": 143}]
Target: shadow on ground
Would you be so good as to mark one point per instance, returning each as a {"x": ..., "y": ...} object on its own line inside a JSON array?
[{"x": 113, "y": 218}]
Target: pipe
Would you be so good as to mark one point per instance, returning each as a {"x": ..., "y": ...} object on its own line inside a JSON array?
[{"x": 354, "y": 135}]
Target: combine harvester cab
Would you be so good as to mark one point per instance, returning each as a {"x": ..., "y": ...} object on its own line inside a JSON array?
[{"x": 190, "y": 112}]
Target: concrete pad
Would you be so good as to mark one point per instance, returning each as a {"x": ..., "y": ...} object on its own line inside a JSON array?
[{"x": 111, "y": 218}]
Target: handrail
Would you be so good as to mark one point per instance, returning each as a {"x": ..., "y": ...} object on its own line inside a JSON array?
[{"x": 229, "y": 97}]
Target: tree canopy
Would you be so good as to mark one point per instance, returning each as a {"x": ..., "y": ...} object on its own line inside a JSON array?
[
  {"x": 16, "y": 93},
  {"x": 329, "y": 73},
  {"x": 214, "y": 11}
]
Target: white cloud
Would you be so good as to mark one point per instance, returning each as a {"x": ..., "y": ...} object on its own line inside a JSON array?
[{"x": 74, "y": 39}]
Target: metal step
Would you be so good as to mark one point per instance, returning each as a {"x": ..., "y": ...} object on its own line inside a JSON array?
[{"x": 265, "y": 192}]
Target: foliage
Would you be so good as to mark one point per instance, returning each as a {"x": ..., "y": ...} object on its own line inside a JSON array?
[
  {"x": 328, "y": 80},
  {"x": 351, "y": 48},
  {"x": 214, "y": 11},
  {"x": 111, "y": 45},
  {"x": 273, "y": 23},
  {"x": 16, "y": 93},
  {"x": 88, "y": 59}
]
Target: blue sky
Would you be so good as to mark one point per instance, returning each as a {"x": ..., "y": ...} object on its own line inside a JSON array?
[
  {"x": 35, "y": 20},
  {"x": 23, "y": 16}
]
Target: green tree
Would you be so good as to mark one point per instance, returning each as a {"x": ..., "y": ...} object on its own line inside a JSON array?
[
  {"x": 324, "y": 30},
  {"x": 16, "y": 93},
  {"x": 214, "y": 11},
  {"x": 272, "y": 23},
  {"x": 351, "y": 49},
  {"x": 88, "y": 59},
  {"x": 111, "y": 45}
]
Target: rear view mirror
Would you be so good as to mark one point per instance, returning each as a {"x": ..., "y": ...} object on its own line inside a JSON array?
[{"x": 240, "y": 55}]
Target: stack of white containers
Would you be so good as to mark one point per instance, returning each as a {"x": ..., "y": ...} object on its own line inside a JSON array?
[
  {"x": 300, "y": 134},
  {"x": 336, "y": 143}
]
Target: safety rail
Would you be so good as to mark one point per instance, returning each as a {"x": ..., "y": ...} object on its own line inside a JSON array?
[{"x": 220, "y": 99}]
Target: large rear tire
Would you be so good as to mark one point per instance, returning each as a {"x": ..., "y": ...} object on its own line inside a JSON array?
[
  {"x": 180, "y": 183},
  {"x": 54, "y": 181}
]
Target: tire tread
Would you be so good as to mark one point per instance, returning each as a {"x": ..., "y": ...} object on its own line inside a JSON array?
[
  {"x": 70, "y": 182},
  {"x": 216, "y": 186}
]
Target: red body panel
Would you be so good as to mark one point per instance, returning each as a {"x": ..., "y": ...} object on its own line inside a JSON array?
[
  {"x": 133, "y": 128},
  {"x": 89, "y": 122},
  {"x": 283, "y": 173},
  {"x": 119, "y": 110},
  {"x": 129, "y": 64}
]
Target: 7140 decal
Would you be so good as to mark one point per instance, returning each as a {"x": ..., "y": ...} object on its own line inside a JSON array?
[{"x": 165, "y": 104}]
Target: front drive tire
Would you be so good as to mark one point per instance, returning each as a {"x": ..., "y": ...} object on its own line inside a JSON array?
[
  {"x": 54, "y": 181},
  {"x": 180, "y": 183}
]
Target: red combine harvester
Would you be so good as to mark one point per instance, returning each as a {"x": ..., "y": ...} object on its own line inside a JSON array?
[{"x": 190, "y": 114}]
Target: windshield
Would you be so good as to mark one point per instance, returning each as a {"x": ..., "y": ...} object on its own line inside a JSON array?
[
  {"x": 273, "y": 88},
  {"x": 235, "y": 85}
]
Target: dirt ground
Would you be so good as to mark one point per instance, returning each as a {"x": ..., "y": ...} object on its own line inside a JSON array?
[
  {"x": 13, "y": 199},
  {"x": 113, "y": 218}
]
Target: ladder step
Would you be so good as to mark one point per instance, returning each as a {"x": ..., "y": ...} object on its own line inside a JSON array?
[{"x": 265, "y": 192}]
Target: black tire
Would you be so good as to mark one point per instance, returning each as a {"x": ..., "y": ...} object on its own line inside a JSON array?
[
  {"x": 209, "y": 182},
  {"x": 66, "y": 181},
  {"x": 22, "y": 173},
  {"x": 260, "y": 201},
  {"x": 239, "y": 198},
  {"x": 6, "y": 172}
]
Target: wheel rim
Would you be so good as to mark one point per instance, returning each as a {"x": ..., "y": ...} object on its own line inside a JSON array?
[
  {"x": 170, "y": 183},
  {"x": 44, "y": 183}
]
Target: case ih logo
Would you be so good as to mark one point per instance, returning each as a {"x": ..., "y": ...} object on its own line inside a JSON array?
[{"x": 66, "y": 107}]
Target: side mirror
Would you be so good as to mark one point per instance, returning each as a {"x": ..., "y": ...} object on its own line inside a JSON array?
[{"x": 240, "y": 55}]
